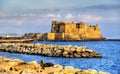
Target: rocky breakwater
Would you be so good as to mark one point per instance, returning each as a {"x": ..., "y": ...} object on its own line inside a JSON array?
[
  {"x": 50, "y": 50},
  {"x": 17, "y": 66}
]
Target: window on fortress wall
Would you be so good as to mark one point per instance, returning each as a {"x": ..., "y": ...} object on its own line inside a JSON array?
[
  {"x": 78, "y": 25},
  {"x": 57, "y": 28}
]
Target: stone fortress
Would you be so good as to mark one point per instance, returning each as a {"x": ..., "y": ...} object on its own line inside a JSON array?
[
  {"x": 70, "y": 31},
  {"x": 73, "y": 31}
]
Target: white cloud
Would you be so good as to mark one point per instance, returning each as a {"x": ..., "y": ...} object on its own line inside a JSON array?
[
  {"x": 58, "y": 15},
  {"x": 37, "y": 19},
  {"x": 87, "y": 17},
  {"x": 50, "y": 15},
  {"x": 82, "y": 17},
  {"x": 16, "y": 14},
  {"x": 69, "y": 16},
  {"x": 30, "y": 14}
]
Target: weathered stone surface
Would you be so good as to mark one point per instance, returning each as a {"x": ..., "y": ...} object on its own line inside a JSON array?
[
  {"x": 27, "y": 71},
  {"x": 6, "y": 64},
  {"x": 50, "y": 50},
  {"x": 70, "y": 31},
  {"x": 34, "y": 68},
  {"x": 90, "y": 71},
  {"x": 58, "y": 66},
  {"x": 22, "y": 66}
]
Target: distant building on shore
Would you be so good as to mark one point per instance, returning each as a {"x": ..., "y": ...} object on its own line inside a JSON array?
[
  {"x": 72, "y": 31},
  {"x": 11, "y": 36}
]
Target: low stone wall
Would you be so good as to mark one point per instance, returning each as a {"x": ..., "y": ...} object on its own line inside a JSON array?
[
  {"x": 50, "y": 50},
  {"x": 17, "y": 66}
]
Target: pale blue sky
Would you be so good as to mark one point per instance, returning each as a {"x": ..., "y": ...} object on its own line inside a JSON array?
[{"x": 20, "y": 16}]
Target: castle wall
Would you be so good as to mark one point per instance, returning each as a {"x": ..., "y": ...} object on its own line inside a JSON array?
[
  {"x": 71, "y": 28},
  {"x": 71, "y": 36},
  {"x": 50, "y": 36}
]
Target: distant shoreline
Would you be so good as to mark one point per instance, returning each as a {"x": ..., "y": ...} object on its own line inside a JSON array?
[
  {"x": 75, "y": 40},
  {"x": 15, "y": 40}
]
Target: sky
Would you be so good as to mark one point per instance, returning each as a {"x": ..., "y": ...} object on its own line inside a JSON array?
[{"x": 24, "y": 16}]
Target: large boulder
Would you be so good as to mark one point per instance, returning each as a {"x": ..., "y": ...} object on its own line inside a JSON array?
[
  {"x": 28, "y": 71},
  {"x": 24, "y": 65}
]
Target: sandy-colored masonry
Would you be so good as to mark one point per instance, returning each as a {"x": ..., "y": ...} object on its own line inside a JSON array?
[{"x": 73, "y": 31}]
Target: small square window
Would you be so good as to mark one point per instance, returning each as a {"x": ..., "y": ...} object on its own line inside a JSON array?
[{"x": 78, "y": 25}]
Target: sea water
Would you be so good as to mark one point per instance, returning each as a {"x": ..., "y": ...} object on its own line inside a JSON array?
[{"x": 110, "y": 51}]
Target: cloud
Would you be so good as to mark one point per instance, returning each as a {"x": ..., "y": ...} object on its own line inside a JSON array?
[
  {"x": 12, "y": 21},
  {"x": 16, "y": 14},
  {"x": 87, "y": 17},
  {"x": 37, "y": 19},
  {"x": 82, "y": 17},
  {"x": 69, "y": 16},
  {"x": 50, "y": 15},
  {"x": 25, "y": 19},
  {"x": 30, "y": 14}
]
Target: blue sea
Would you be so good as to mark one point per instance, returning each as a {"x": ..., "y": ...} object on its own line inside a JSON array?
[{"x": 110, "y": 51}]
